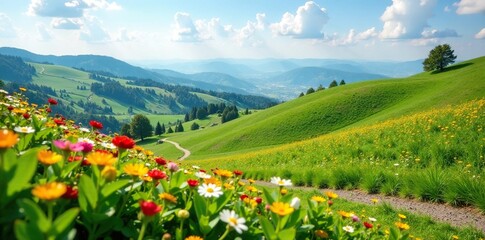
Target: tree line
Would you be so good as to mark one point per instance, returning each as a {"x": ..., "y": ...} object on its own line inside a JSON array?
[
  {"x": 15, "y": 69},
  {"x": 320, "y": 87}
]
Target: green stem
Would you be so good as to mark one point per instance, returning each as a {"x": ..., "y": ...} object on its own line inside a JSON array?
[
  {"x": 125, "y": 198},
  {"x": 225, "y": 233},
  {"x": 143, "y": 228},
  {"x": 49, "y": 211}
]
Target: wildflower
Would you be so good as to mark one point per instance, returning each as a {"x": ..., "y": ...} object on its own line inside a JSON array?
[
  {"x": 454, "y": 237},
  {"x": 284, "y": 191},
  {"x": 202, "y": 175},
  {"x": 237, "y": 172},
  {"x": 348, "y": 229},
  {"x": 25, "y": 130},
  {"x": 228, "y": 186},
  {"x": 59, "y": 121},
  {"x": 251, "y": 189},
  {"x": 251, "y": 181},
  {"x": 100, "y": 158},
  {"x": 281, "y": 182},
  {"x": 109, "y": 173},
  {"x": 401, "y": 225},
  {"x": 212, "y": 180},
  {"x": 258, "y": 200},
  {"x": 160, "y": 161},
  {"x": 49, "y": 191},
  {"x": 295, "y": 203},
  {"x": 71, "y": 193},
  {"x": 83, "y": 129},
  {"x": 48, "y": 157},
  {"x": 223, "y": 173},
  {"x": 22, "y": 89},
  {"x": 368, "y": 225},
  {"x": 355, "y": 218},
  {"x": 172, "y": 167},
  {"x": 96, "y": 124},
  {"x": 83, "y": 146},
  {"x": 372, "y": 219},
  {"x": 318, "y": 199},
  {"x": 157, "y": 174},
  {"x": 123, "y": 142},
  {"x": 193, "y": 183},
  {"x": 375, "y": 200},
  {"x": 233, "y": 220},
  {"x": 281, "y": 208},
  {"x": 168, "y": 197},
  {"x": 401, "y": 216},
  {"x": 149, "y": 208},
  {"x": 321, "y": 234},
  {"x": 345, "y": 214},
  {"x": 135, "y": 169},
  {"x": 193, "y": 238},
  {"x": 331, "y": 195},
  {"x": 62, "y": 145},
  {"x": 183, "y": 214},
  {"x": 108, "y": 145},
  {"x": 8, "y": 138},
  {"x": 52, "y": 101},
  {"x": 209, "y": 190},
  {"x": 26, "y": 115}
]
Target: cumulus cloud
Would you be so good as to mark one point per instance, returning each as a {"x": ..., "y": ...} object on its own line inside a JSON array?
[
  {"x": 43, "y": 33},
  {"x": 406, "y": 18},
  {"x": 124, "y": 35},
  {"x": 67, "y": 9},
  {"x": 249, "y": 34},
  {"x": 307, "y": 23},
  {"x": 7, "y": 29},
  {"x": 184, "y": 29},
  {"x": 93, "y": 32},
  {"x": 212, "y": 29},
  {"x": 352, "y": 37},
  {"x": 66, "y": 23},
  {"x": 470, "y": 6},
  {"x": 424, "y": 42},
  {"x": 434, "y": 33},
  {"x": 481, "y": 34}
]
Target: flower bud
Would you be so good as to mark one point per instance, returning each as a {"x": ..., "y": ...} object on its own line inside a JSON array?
[
  {"x": 295, "y": 203},
  {"x": 183, "y": 214},
  {"x": 109, "y": 173}
]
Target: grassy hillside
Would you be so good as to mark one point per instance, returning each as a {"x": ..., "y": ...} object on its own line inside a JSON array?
[{"x": 341, "y": 107}]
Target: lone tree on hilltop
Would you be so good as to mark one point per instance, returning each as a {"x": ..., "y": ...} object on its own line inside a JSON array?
[
  {"x": 141, "y": 127},
  {"x": 438, "y": 58}
]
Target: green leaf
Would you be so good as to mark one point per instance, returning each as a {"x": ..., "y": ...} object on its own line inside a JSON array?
[
  {"x": 268, "y": 228},
  {"x": 200, "y": 205},
  {"x": 204, "y": 224},
  {"x": 287, "y": 234},
  {"x": 394, "y": 234},
  {"x": 269, "y": 197},
  {"x": 110, "y": 188},
  {"x": 24, "y": 170},
  {"x": 26, "y": 231},
  {"x": 34, "y": 214},
  {"x": 68, "y": 168},
  {"x": 87, "y": 191},
  {"x": 64, "y": 221}
]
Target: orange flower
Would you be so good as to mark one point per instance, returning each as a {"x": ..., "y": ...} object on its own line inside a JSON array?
[
  {"x": 212, "y": 180},
  {"x": 318, "y": 199},
  {"x": 48, "y": 157},
  {"x": 331, "y": 195},
  {"x": 401, "y": 226},
  {"x": 168, "y": 197},
  {"x": 193, "y": 238},
  {"x": 8, "y": 138},
  {"x": 281, "y": 208},
  {"x": 100, "y": 158},
  {"x": 135, "y": 169},
  {"x": 49, "y": 191},
  {"x": 223, "y": 173},
  {"x": 321, "y": 234}
]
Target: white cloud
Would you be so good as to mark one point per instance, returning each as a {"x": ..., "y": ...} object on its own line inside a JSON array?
[
  {"x": 66, "y": 23},
  {"x": 68, "y": 9},
  {"x": 124, "y": 36},
  {"x": 7, "y": 29},
  {"x": 212, "y": 29},
  {"x": 307, "y": 23},
  {"x": 434, "y": 33},
  {"x": 249, "y": 34},
  {"x": 447, "y": 9},
  {"x": 93, "y": 32},
  {"x": 470, "y": 6},
  {"x": 406, "y": 18},
  {"x": 43, "y": 33},
  {"x": 424, "y": 42},
  {"x": 184, "y": 29},
  {"x": 481, "y": 34},
  {"x": 352, "y": 37}
]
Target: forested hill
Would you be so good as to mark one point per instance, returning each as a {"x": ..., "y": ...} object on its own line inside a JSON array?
[{"x": 14, "y": 69}]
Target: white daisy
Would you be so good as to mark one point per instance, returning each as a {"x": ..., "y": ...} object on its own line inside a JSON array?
[
  {"x": 3, "y": 91},
  {"x": 108, "y": 145},
  {"x": 83, "y": 129},
  {"x": 202, "y": 175},
  {"x": 209, "y": 190},
  {"x": 24, "y": 129},
  {"x": 233, "y": 220},
  {"x": 281, "y": 182},
  {"x": 372, "y": 219},
  {"x": 348, "y": 229},
  {"x": 86, "y": 140}
]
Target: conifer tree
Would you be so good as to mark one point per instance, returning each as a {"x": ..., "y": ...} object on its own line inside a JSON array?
[{"x": 158, "y": 129}]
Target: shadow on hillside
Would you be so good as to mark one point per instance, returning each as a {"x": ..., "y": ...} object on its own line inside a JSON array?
[
  {"x": 454, "y": 67},
  {"x": 147, "y": 140}
]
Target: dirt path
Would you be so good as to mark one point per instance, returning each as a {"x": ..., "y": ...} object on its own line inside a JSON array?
[
  {"x": 177, "y": 145},
  {"x": 455, "y": 216}
]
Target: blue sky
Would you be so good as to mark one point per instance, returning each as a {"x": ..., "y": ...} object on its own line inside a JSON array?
[{"x": 205, "y": 29}]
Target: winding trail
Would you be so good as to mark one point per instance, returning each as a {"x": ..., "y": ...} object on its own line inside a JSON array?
[
  {"x": 455, "y": 216},
  {"x": 177, "y": 145}
]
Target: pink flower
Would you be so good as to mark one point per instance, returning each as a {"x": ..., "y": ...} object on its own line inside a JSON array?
[
  {"x": 172, "y": 167},
  {"x": 62, "y": 144},
  {"x": 81, "y": 146}
]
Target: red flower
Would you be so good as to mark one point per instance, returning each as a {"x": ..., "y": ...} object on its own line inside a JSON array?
[
  {"x": 161, "y": 161},
  {"x": 157, "y": 174},
  {"x": 123, "y": 142},
  {"x": 71, "y": 193},
  {"x": 258, "y": 200},
  {"x": 96, "y": 124},
  {"x": 330, "y": 203},
  {"x": 244, "y": 196},
  {"x": 368, "y": 225},
  {"x": 149, "y": 208},
  {"x": 26, "y": 115},
  {"x": 59, "y": 121},
  {"x": 52, "y": 101},
  {"x": 202, "y": 170},
  {"x": 49, "y": 110},
  {"x": 10, "y": 108},
  {"x": 76, "y": 158},
  {"x": 193, "y": 183},
  {"x": 237, "y": 172}
]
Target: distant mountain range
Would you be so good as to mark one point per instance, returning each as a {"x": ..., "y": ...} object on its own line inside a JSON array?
[{"x": 277, "y": 78}]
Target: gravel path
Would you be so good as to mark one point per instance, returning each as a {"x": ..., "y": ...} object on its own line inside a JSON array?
[
  {"x": 455, "y": 216},
  {"x": 177, "y": 145}
]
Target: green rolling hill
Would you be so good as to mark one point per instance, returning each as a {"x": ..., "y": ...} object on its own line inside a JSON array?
[{"x": 338, "y": 108}]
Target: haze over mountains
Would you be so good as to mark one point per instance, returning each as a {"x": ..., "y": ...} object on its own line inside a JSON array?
[{"x": 278, "y": 78}]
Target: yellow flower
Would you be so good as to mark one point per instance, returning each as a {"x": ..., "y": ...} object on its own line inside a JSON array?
[
  {"x": 241, "y": 183},
  {"x": 8, "y": 138},
  {"x": 401, "y": 226},
  {"x": 193, "y": 238},
  {"x": 251, "y": 181},
  {"x": 375, "y": 200},
  {"x": 331, "y": 195},
  {"x": 318, "y": 199},
  {"x": 321, "y": 234},
  {"x": 101, "y": 158},
  {"x": 138, "y": 148},
  {"x": 49, "y": 191},
  {"x": 223, "y": 173},
  {"x": 148, "y": 152},
  {"x": 109, "y": 173},
  {"x": 401, "y": 216},
  {"x": 251, "y": 189},
  {"x": 146, "y": 178},
  {"x": 23, "y": 89},
  {"x": 228, "y": 186},
  {"x": 135, "y": 169},
  {"x": 284, "y": 191},
  {"x": 212, "y": 180},
  {"x": 48, "y": 157},
  {"x": 345, "y": 214},
  {"x": 455, "y": 237},
  {"x": 168, "y": 197},
  {"x": 281, "y": 208}
]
